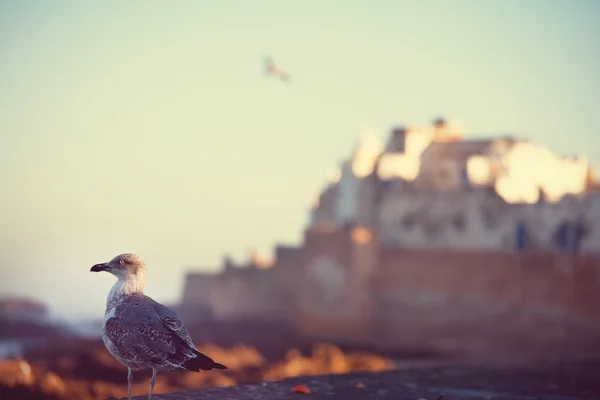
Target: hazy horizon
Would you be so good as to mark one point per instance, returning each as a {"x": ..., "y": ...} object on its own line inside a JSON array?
[{"x": 150, "y": 128}]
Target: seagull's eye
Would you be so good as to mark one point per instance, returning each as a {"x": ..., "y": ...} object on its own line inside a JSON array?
[{"x": 122, "y": 262}]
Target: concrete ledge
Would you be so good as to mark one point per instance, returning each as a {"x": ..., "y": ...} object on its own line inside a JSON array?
[{"x": 563, "y": 381}]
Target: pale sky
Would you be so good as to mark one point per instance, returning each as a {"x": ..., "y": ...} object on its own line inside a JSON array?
[{"x": 148, "y": 127}]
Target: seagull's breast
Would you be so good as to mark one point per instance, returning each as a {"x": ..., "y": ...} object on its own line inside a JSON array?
[
  {"x": 110, "y": 312},
  {"x": 114, "y": 348},
  {"x": 105, "y": 338}
]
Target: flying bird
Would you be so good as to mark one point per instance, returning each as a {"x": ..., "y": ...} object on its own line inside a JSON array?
[
  {"x": 142, "y": 333},
  {"x": 272, "y": 70}
]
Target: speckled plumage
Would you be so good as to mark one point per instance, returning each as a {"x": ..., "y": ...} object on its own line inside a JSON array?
[{"x": 142, "y": 333}]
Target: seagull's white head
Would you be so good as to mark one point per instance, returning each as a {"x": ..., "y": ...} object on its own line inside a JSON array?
[{"x": 124, "y": 266}]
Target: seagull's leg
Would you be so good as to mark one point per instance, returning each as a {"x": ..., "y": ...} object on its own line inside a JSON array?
[
  {"x": 152, "y": 382},
  {"x": 129, "y": 380}
]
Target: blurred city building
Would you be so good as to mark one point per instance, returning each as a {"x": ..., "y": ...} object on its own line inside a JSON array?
[{"x": 433, "y": 239}]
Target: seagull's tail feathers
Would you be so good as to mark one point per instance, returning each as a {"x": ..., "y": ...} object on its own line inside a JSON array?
[{"x": 201, "y": 362}]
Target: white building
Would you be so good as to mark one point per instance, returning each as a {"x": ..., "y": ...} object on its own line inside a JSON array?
[{"x": 430, "y": 188}]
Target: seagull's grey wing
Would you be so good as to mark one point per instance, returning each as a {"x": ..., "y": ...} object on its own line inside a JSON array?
[
  {"x": 196, "y": 362},
  {"x": 172, "y": 322},
  {"x": 129, "y": 341},
  {"x": 138, "y": 333}
]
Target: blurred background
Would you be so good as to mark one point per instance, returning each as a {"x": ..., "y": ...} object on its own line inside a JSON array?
[{"x": 315, "y": 187}]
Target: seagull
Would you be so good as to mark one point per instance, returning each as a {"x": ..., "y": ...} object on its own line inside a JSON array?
[
  {"x": 272, "y": 69},
  {"x": 142, "y": 333}
]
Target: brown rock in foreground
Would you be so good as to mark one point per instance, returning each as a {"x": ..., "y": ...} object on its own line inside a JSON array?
[
  {"x": 85, "y": 371},
  {"x": 564, "y": 381}
]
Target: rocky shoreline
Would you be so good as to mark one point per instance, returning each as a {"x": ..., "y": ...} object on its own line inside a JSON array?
[
  {"x": 86, "y": 371},
  {"x": 575, "y": 380}
]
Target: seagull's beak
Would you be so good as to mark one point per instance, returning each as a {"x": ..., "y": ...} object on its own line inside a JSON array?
[{"x": 98, "y": 268}]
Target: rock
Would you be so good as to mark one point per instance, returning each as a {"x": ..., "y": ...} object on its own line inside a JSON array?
[
  {"x": 16, "y": 373},
  {"x": 325, "y": 359},
  {"x": 53, "y": 385},
  {"x": 85, "y": 370},
  {"x": 575, "y": 381},
  {"x": 237, "y": 357}
]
